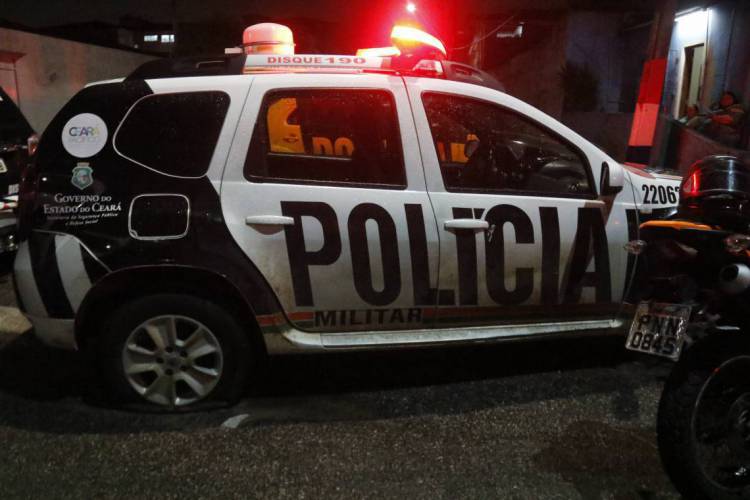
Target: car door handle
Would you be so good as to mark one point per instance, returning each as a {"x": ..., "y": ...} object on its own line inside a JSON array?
[
  {"x": 467, "y": 224},
  {"x": 269, "y": 220}
]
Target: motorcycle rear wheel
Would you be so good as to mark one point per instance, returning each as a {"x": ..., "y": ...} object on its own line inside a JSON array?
[{"x": 703, "y": 422}]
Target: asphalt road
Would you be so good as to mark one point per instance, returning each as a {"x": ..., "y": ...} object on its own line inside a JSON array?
[{"x": 562, "y": 419}]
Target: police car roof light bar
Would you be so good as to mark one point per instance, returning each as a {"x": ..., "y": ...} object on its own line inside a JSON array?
[
  {"x": 259, "y": 63},
  {"x": 256, "y": 63},
  {"x": 379, "y": 52},
  {"x": 264, "y": 62},
  {"x": 268, "y": 48}
]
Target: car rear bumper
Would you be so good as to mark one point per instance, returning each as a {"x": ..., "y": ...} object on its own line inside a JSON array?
[{"x": 56, "y": 332}]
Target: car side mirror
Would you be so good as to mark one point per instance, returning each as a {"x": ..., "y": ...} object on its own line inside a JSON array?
[{"x": 612, "y": 180}]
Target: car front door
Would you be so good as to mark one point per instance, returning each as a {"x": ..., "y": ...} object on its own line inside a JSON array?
[
  {"x": 324, "y": 192},
  {"x": 525, "y": 237}
]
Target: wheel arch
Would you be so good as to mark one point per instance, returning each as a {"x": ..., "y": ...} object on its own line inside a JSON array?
[{"x": 127, "y": 284}]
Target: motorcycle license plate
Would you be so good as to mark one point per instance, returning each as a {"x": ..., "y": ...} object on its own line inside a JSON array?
[{"x": 659, "y": 329}]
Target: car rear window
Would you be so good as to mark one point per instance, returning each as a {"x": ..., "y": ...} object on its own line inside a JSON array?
[
  {"x": 327, "y": 136},
  {"x": 174, "y": 134}
]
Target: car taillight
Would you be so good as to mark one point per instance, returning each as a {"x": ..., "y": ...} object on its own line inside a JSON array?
[{"x": 32, "y": 143}]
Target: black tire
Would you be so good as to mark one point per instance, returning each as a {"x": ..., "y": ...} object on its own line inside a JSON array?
[
  {"x": 238, "y": 356},
  {"x": 683, "y": 391}
]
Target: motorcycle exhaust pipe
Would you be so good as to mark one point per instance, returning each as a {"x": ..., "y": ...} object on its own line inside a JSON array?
[{"x": 734, "y": 279}]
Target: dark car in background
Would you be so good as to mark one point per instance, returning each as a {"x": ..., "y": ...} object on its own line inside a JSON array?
[{"x": 17, "y": 143}]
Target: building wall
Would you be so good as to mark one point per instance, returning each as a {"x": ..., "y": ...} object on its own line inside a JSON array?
[
  {"x": 594, "y": 41},
  {"x": 727, "y": 41},
  {"x": 52, "y": 70},
  {"x": 609, "y": 131},
  {"x": 533, "y": 74},
  {"x": 687, "y": 32},
  {"x": 635, "y": 43},
  {"x": 615, "y": 55},
  {"x": 727, "y": 68},
  {"x": 720, "y": 29},
  {"x": 738, "y": 67}
]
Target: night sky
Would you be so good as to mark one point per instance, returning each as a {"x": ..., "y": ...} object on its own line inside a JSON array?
[
  {"x": 40, "y": 13},
  {"x": 52, "y": 12}
]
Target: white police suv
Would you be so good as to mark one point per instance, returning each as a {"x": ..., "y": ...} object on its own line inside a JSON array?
[{"x": 199, "y": 214}]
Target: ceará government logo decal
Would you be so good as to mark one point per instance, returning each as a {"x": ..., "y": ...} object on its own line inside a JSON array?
[{"x": 84, "y": 135}]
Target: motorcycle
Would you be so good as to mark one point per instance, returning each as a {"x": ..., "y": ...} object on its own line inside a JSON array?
[{"x": 693, "y": 293}]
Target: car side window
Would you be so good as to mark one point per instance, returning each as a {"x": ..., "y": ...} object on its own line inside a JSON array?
[
  {"x": 327, "y": 136},
  {"x": 483, "y": 147},
  {"x": 174, "y": 134}
]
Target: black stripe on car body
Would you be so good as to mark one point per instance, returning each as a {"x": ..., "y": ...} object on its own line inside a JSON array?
[{"x": 47, "y": 275}]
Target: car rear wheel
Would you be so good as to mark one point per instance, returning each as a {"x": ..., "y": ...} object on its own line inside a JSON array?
[{"x": 174, "y": 352}]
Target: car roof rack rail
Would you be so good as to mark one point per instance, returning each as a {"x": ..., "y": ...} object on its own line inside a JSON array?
[{"x": 237, "y": 64}]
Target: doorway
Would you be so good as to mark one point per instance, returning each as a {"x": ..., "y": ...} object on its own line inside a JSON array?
[{"x": 692, "y": 77}]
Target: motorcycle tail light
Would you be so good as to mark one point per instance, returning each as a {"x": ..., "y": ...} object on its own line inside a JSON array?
[{"x": 737, "y": 244}]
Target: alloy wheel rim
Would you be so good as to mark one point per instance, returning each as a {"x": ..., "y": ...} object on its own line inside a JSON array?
[{"x": 172, "y": 360}]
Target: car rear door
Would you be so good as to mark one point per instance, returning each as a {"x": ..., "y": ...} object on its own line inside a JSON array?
[
  {"x": 524, "y": 236},
  {"x": 324, "y": 191}
]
